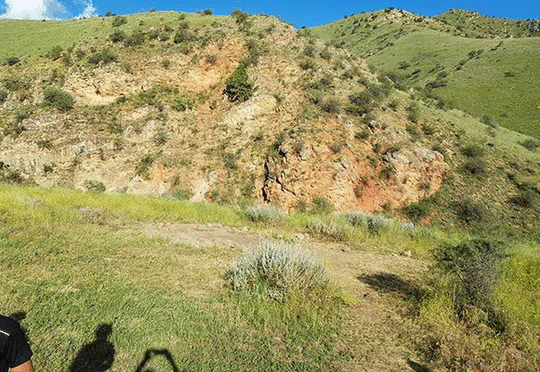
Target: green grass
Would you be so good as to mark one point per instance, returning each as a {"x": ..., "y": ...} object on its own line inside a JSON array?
[
  {"x": 518, "y": 289},
  {"x": 26, "y": 39},
  {"x": 71, "y": 274},
  {"x": 498, "y": 82}
]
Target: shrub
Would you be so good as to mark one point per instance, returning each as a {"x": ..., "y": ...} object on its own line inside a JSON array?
[
  {"x": 105, "y": 56},
  {"x": 143, "y": 169},
  {"x": 238, "y": 87},
  {"x": 3, "y": 96},
  {"x": 55, "y": 97},
  {"x": 333, "y": 230},
  {"x": 486, "y": 119},
  {"x": 44, "y": 144},
  {"x": 530, "y": 144},
  {"x": 55, "y": 53},
  {"x": 117, "y": 36},
  {"x": 474, "y": 167},
  {"x": 472, "y": 151},
  {"x": 94, "y": 186},
  {"x": 161, "y": 137},
  {"x": 8, "y": 175},
  {"x": 525, "y": 199},
  {"x": 135, "y": 39},
  {"x": 11, "y": 61},
  {"x": 240, "y": 16},
  {"x": 364, "y": 134},
  {"x": 276, "y": 270},
  {"x": 417, "y": 211},
  {"x": 413, "y": 111},
  {"x": 326, "y": 54},
  {"x": 468, "y": 211},
  {"x": 114, "y": 127},
  {"x": 359, "y": 103},
  {"x": 321, "y": 205},
  {"x": 475, "y": 264},
  {"x": 307, "y": 64},
  {"x": 119, "y": 21},
  {"x": 265, "y": 213},
  {"x": 182, "y": 36},
  {"x": 12, "y": 84},
  {"x": 181, "y": 103},
  {"x": 330, "y": 105},
  {"x": 183, "y": 194}
]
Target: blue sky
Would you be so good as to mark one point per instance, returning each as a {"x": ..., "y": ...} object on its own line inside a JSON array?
[{"x": 299, "y": 12}]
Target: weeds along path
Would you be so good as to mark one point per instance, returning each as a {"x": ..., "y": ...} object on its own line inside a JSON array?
[{"x": 379, "y": 328}]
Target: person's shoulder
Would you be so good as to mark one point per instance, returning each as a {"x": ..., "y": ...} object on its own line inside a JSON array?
[{"x": 8, "y": 325}]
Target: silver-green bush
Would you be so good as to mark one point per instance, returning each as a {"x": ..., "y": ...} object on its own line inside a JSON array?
[
  {"x": 264, "y": 213},
  {"x": 277, "y": 270}
]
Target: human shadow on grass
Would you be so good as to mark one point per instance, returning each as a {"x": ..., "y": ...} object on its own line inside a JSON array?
[
  {"x": 391, "y": 283},
  {"x": 97, "y": 356},
  {"x": 151, "y": 353}
]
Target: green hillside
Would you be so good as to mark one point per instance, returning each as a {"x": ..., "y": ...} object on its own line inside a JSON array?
[
  {"x": 471, "y": 68},
  {"x": 18, "y": 38}
]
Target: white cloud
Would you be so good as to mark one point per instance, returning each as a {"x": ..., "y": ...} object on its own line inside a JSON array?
[
  {"x": 43, "y": 9},
  {"x": 89, "y": 11}
]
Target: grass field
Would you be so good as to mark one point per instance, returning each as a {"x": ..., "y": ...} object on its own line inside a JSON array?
[
  {"x": 85, "y": 280},
  {"x": 72, "y": 275}
]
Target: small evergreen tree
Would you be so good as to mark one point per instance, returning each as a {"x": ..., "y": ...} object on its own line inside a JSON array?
[{"x": 238, "y": 87}]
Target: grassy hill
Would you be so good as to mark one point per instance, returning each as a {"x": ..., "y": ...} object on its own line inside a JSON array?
[
  {"x": 425, "y": 217},
  {"x": 480, "y": 65}
]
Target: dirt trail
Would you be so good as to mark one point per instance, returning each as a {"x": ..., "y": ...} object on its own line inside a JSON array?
[{"x": 378, "y": 283}]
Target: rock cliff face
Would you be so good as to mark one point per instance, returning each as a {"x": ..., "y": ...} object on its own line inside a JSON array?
[
  {"x": 348, "y": 179},
  {"x": 283, "y": 145}
]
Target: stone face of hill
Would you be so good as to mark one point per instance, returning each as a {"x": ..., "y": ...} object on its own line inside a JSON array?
[{"x": 151, "y": 117}]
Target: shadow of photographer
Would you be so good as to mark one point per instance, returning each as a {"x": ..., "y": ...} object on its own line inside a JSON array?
[{"x": 97, "y": 356}]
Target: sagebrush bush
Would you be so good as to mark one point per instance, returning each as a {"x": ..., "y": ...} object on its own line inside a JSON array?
[
  {"x": 265, "y": 213},
  {"x": 373, "y": 223},
  {"x": 469, "y": 211},
  {"x": 332, "y": 229},
  {"x": 276, "y": 270},
  {"x": 58, "y": 98},
  {"x": 525, "y": 199}
]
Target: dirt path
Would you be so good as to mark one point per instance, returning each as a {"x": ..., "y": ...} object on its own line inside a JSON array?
[{"x": 379, "y": 283}]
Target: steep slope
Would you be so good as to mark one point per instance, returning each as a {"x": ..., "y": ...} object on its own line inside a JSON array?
[
  {"x": 247, "y": 109},
  {"x": 481, "y": 65}
]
